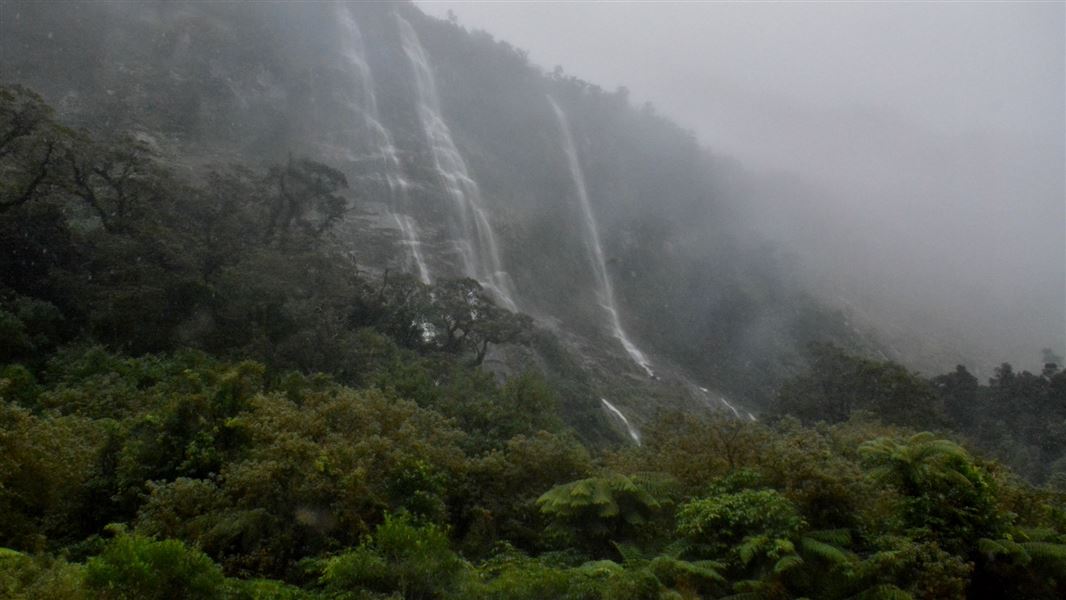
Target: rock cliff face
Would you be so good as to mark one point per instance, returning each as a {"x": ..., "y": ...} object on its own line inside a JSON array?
[{"x": 606, "y": 222}]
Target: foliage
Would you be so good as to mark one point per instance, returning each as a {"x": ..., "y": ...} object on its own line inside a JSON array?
[
  {"x": 25, "y": 577},
  {"x": 839, "y": 384},
  {"x": 415, "y": 561},
  {"x": 600, "y": 509},
  {"x": 727, "y": 519},
  {"x": 946, "y": 495},
  {"x": 45, "y": 465},
  {"x": 132, "y": 566}
]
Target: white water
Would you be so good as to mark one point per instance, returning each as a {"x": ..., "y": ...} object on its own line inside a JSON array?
[
  {"x": 409, "y": 230},
  {"x": 599, "y": 262},
  {"x": 633, "y": 433},
  {"x": 736, "y": 413},
  {"x": 480, "y": 252},
  {"x": 722, "y": 399},
  {"x": 354, "y": 51}
]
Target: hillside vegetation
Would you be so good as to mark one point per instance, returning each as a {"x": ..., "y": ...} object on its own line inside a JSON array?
[{"x": 202, "y": 397}]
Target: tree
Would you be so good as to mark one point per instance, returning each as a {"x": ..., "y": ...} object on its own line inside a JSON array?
[
  {"x": 306, "y": 197},
  {"x": 464, "y": 319},
  {"x": 944, "y": 492},
  {"x": 44, "y": 465},
  {"x": 959, "y": 393},
  {"x": 118, "y": 180},
  {"x": 401, "y": 557},
  {"x": 765, "y": 540},
  {"x": 599, "y": 510},
  {"x": 838, "y": 384},
  {"x": 695, "y": 449},
  {"x": 31, "y": 143},
  {"x": 133, "y": 566},
  {"x": 1025, "y": 563},
  {"x": 504, "y": 486}
]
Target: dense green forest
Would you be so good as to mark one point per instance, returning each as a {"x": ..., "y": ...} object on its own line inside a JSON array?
[{"x": 202, "y": 397}]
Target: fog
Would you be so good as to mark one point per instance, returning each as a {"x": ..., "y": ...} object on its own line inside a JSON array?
[{"x": 913, "y": 153}]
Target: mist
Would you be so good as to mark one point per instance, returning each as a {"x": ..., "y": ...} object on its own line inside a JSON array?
[
  {"x": 537, "y": 300},
  {"x": 910, "y": 155}
]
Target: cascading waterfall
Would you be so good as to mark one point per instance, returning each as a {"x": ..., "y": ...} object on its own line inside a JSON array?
[
  {"x": 354, "y": 51},
  {"x": 409, "y": 230},
  {"x": 478, "y": 248},
  {"x": 736, "y": 413},
  {"x": 633, "y": 433},
  {"x": 592, "y": 238}
]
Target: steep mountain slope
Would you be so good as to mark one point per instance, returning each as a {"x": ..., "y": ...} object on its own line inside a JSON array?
[{"x": 606, "y": 222}]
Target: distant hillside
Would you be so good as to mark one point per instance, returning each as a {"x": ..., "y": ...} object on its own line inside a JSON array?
[{"x": 605, "y": 221}]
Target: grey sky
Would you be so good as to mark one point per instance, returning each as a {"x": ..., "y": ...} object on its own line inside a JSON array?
[
  {"x": 936, "y": 131},
  {"x": 951, "y": 66}
]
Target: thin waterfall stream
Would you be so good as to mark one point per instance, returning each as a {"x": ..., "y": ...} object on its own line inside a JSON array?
[
  {"x": 592, "y": 238},
  {"x": 633, "y": 433}
]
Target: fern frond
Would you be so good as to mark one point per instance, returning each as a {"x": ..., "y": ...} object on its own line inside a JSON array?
[
  {"x": 1045, "y": 551},
  {"x": 659, "y": 485},
  {"x": 787, "y": 563},
  {"x": 824, "y": 551},
  {"x": 1037, "y": 534},
  {"x": 837, "y": 537},
  {"x": 750, "y": 546},
  {"x": 884, "y": 591},
  {"x": 753, "y": 586},
  {"x": 629, "y": 552},
  {"x": 677, "y": 548},
  {"x": 921, "y": 438},
  {"x": 1008, "y": 548},
  {"x": 670, "y": 568},
  {"x": 600, "y": 568}
]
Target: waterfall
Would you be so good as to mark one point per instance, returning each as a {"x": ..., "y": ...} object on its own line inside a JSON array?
[
  {"x": 592, "y": 238},
  {"x": 632, "y": 432},
  {"x": 736, "y": 413},
  {"x": 479, "y": 251},
  {"x": 409, "y": 230},
  {"x": 354, "y": 51}
]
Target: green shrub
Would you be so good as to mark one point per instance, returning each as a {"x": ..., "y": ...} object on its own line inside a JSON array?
[
  {"x": 402, "y": 557},
  {"x": 134, "y": 567},
  {"x": 729, "y": 518},
  {"x": 24, "y": 577}
]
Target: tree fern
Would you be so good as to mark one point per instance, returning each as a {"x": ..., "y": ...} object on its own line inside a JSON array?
[
  {"x": 602, "y": 496},
  {"x": 1050, "y": 557},
  {"x": 787, "y": 563},
  {"x": 912, "y": 462},
  {"x": 1046, "y": 552},
  {"x": 629, "y": 552},
  {"x": 1003, "y": 548},
  {"x": 672, "y": 569},
  {"x": 825, "y": 551},
  {"x": 838, "y": 537},
  {"x": 882, "y": 592},
  {"x": 745, "y": 596}
]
